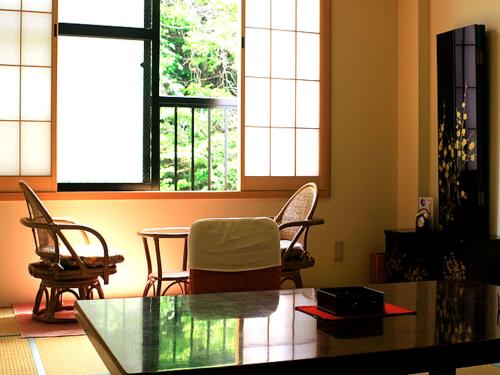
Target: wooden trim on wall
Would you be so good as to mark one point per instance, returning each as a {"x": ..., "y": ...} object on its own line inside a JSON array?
[
  {"x": 146, "y": 195},
  {"x": 55, "y": 7},
  {"x": 325, "y": 95}
]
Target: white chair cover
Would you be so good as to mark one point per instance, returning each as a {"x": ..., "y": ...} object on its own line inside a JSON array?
[{"x": 234, "y": 244}]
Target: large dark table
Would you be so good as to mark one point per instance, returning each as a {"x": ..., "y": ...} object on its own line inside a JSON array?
[{"x": 455, "y": 326}]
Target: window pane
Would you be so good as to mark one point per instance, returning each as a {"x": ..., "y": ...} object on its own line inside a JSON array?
[
  {"x": 283, "y": 14},
  {"x": 256, "y": 152},
  {"x": 308, "y": 56},
  {"x": 308, "y": 15},
  {"x": 257, "y": 53},
  {"x": 37, "y": 39},
  {"x": 283, "y": 54},
  {"x": 10, "y": 4},
  {"x": 9, "y": 92},
  {"x": 307, "y": 152},
  {"x": 35, "y": 149},
  {"x": 200, "y": 48},
  {"x": 257, "y": 102},
  {"x": 282, "y": 152},
  {"x": 308, "y": 104},
  {"x": 98, "y": 12},
  {"x": 257, "y": 13},
  {"x": 10, "y": 23},
  {"x": 100, "y": 98},
  {"x": 35, "y": 94},
  {"x": 283, "y": 103},
  {"x": 9, "y": 148},
  {"x": 38, "y": 5}
]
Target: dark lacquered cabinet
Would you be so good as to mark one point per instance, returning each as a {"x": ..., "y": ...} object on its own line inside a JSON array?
[
  {"x": 462, "y": 118},
  {"x": 435, "y": 255}
]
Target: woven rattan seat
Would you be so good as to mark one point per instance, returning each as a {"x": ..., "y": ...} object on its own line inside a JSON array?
[
  {"x": 294, "y": 221},
  {"x": 63, "y": 266}
]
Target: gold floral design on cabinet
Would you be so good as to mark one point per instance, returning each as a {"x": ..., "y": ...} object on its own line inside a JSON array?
[{"x": 457, "y": 149}]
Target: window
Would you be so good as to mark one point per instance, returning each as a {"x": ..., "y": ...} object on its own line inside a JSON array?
[{"x": 123, "y": 123}]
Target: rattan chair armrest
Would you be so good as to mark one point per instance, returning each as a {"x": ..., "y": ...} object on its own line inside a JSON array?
[
  {"x": 85, "y": 228},
  {"x": 306, "y": 223},
  {"x": 64, "y": 220},
  {"x": 101, "y": 239},
  {"x": 69, "y": 220},
  {"x": 26, "y": 221}
]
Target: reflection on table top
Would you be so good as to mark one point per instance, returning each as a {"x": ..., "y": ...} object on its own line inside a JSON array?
[
  {"x": 255, "y": 329},
  {"x": 165, "y": 232}
]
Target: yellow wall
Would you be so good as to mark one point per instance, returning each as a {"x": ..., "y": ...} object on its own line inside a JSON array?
[
  {"x": 408, "y": 112},
  {"x": 363, "y": 174}
]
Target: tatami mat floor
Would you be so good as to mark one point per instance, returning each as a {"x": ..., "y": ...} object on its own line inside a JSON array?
[
  {"x": 45, "y": 356},
  {"x": 75, "y": 354}
]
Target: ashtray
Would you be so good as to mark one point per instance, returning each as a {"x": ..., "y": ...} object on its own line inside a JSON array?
[{"x": 352, "y": 300}]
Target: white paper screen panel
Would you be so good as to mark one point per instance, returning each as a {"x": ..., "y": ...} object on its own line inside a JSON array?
[
  {"x": 257, "y": 111},
  {"x": 10, "y": 24},
  {"x": 35, "y": 94},
  {"x": 9, "y": 152},
  {"x": 307, "y": 152},
  {"x": 36, "y": 39},
  {"x": 9, "y": 92},
  {"x": 257, "y": 154},
  {"x": 282, "y": 87},
  {"x": 283, "y": 14},
  {"x": 258, "y": 13},
  {"x": 10, "y": 4},
  {"x": 25, "y": 89},
  {"x": 282, "y": 152},
  {"x": 37, "y": 5},
  {"x": 35, "y": 148},
  {"x": 308, "y": 15}
]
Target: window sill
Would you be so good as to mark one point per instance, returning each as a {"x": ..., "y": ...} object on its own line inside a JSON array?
[{"x": 126, "y": 195}]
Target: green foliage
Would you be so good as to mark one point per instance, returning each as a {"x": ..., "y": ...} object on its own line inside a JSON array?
[{"x": 199, "y": 49}]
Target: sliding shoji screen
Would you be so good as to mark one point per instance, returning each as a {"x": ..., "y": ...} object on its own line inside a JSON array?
[
  {"x": 25, "y": 91},
  {"x": 282, "y": 88}
]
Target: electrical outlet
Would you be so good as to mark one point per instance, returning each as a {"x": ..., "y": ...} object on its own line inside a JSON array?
[{"x": 339, "y": 251}]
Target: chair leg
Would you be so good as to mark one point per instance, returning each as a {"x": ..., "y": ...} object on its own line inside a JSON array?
[
  {"x": 42, "y": 291},
  {"x": 293, "y": 276},
  {"x": 98, "y": 287},
  {"x": 90, "y": 291},
  {"x": 186, "y": 288},
  {"x": 54, "y": 302},
  {"x": 297, "y": 279},
  {"x": 150, "y": 283}
]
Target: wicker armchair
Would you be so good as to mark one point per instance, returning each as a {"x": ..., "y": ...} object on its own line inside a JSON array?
[
  {"x": 63, "y": 266},
  {"x": 294, "y": 221}
]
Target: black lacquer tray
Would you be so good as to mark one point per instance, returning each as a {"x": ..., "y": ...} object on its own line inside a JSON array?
[{"x": 352, "y": 300}]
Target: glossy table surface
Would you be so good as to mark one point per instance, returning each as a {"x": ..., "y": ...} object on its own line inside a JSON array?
[{"x": 455, "y": 326}]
